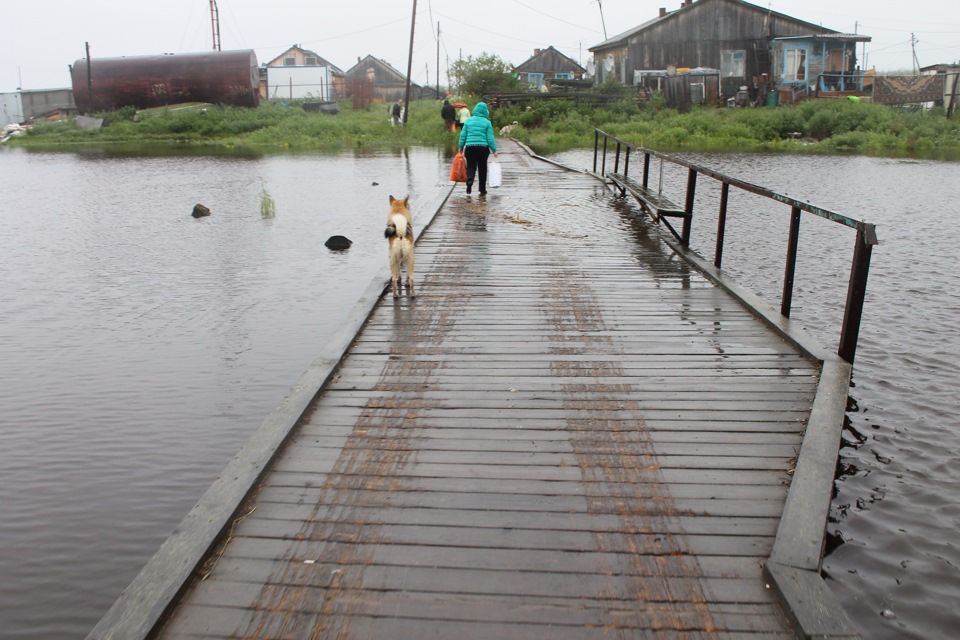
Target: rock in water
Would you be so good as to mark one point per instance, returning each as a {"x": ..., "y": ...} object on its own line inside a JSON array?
[
  {"x": 338, "y": 243},
  {"x": 199, "y": 211}
]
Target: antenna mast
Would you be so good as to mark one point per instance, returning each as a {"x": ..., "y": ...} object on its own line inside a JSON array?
[
  {"x": 215, "y": 24},
  {"x": 602, "y": 21}
]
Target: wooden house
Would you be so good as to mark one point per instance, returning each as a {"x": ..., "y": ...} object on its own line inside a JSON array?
[
  {"x": 372, "y": 79},
  {"x": 331, "y": 83},
  {"x": 546, "y": 65},
  {"x": 733, "y": 37}
]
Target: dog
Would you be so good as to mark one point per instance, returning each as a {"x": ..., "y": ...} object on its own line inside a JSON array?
[
  {"x": 509, "y": 128},
  {"x": 399, "y": 233}
]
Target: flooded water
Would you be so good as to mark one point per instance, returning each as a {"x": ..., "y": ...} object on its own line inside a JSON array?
[{"x": 141, "y": 347}]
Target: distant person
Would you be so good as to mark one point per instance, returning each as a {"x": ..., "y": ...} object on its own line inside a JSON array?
[
  {"x": 477, "y": 143},
  {"x": 397, "y": 112},
  {"x": 449, "y": 115},
  {"x": 462, "y": 114}
]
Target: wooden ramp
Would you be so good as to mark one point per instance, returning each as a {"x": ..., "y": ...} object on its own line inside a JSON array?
[{"x": 569, "y": 434}]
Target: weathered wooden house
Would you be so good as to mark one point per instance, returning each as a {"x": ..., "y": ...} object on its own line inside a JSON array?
[
  {"x": 298, "y": 73},
  {"x": 736, "y": 38},
  {"x": 372, "y": 79},
  {"x": 546, "y": 65}
]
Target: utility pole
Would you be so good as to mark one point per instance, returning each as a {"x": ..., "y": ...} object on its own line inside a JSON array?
[
  {"x": 406, "y": 103},
  {"x": 438, "y": 59},
  {"x": 913, "y": 47},
  {"x": 89, "y": 78}
]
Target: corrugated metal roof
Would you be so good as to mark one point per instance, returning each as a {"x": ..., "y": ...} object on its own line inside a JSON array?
[{"x": 840, "y": 37}]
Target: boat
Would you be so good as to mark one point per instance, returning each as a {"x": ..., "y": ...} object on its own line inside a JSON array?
[{"x": 326, "y": 106}]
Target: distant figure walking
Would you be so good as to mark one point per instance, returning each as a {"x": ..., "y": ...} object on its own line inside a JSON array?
[
  {"x": 397, "y": 112},
  {"x": 462, "y": 114},
  {"x": 449, "y": 115}
]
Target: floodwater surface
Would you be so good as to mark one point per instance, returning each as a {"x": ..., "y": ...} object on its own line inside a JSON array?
[{"x": 140, "y": 347}]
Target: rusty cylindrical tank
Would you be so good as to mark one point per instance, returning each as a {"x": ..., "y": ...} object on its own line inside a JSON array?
[{"x": 219, "y": 77}]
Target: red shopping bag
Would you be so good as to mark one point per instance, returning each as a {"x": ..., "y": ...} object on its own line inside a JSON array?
[{"x": 458, "y": 173}]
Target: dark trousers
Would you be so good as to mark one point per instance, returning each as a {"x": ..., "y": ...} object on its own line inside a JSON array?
[{"x": 476, "y": 156}]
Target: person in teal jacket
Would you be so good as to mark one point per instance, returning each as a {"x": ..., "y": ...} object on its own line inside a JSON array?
[{"x": 477, "y": 143}]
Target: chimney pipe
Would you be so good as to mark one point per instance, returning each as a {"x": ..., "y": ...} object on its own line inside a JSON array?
[{"x": 663, "y": 11}]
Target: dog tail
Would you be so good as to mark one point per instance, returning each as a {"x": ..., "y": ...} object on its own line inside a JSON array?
[{"x": 397, "y": 226}]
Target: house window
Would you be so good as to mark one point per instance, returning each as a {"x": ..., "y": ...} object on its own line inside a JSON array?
[
  {"x": 310, "y": 62},
  {"x": 535, "y": 80},
  {"x": 698, "y": 92},
  {"x": 733, "y": 64},
  {"x": 795, "y": 64},
  {"x": 289, "y": 62},
  {"x": 563, "y": 76}
]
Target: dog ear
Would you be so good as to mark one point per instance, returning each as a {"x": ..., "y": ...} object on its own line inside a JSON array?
[
  {"x": 392, "y": 199},
  {"x": 406, "y": 201}
]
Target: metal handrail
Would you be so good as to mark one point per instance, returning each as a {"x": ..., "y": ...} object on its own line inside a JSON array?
[{"x": 863, "y": 247}]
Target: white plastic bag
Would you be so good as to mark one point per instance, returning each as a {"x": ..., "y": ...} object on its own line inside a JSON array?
[{"x": 494, "y": 175}]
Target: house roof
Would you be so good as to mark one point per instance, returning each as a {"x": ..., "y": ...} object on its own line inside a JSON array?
[
  {"x": 828, "y": 37},
  {"x": 620, "y": 39},
  {"x": 549, "y": 59},
  {"x": 377, "y": 62},
  {"x": 334, "y": 69}
]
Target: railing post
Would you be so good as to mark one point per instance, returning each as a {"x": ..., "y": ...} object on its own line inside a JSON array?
[
  {"x": 856, "y": 291},
  {"x": 721, "y": 224},
  {"x": 616, "y": 159},
  {"x": 794, "y": 241},
  {"x": 603, "y": 164},
  {"x": 688, "y": 208},
  {"x": 626, "y": 161},
  {"x": 596, "y": 146},
  {"x": 646, "y": 169}
]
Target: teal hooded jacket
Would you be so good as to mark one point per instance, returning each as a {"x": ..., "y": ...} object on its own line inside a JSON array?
[{"x": 478, "y": 130}]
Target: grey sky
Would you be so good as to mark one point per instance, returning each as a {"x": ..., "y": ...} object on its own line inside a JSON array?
[{"x": 41, "y": 40}]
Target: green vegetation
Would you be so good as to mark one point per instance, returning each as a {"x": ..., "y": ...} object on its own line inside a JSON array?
[
  {"x": 268, "y": 208},
  {"x": 484, "y": 74},
  {"x": 825, "y": 126}
]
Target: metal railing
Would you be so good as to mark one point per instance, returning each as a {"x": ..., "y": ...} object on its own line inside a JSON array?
[{"x": 862, "y": 251}]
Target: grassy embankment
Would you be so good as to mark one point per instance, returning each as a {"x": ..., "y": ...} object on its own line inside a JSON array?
[{"x": 827, "y": 126}]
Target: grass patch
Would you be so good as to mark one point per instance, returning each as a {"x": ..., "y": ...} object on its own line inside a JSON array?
[{"x": 828, "y": 126}]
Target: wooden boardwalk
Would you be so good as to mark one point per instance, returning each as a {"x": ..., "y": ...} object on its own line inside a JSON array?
[{"x": 570, "y": 433}]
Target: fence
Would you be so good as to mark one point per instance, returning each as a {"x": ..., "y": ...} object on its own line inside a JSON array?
[{"x": 664, "y": 211}]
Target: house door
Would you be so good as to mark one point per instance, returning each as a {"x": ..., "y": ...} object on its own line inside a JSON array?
[{"x": 835, "y": 60}]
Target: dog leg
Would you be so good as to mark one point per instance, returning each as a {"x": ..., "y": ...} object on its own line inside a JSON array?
[
  {"x": 394, "y": 274},
  {"x": 410, "y": 291}
]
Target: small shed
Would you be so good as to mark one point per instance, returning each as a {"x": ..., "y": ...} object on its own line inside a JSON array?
[
  {"x": 951, "y": 78},
  {"x": 681, "y": 87},
  {"x": 17, "y": 107},
  {"x": 546, "y": 65},
  {"x": 374, "y": 80},
  {"x": 306, "y": 62}
]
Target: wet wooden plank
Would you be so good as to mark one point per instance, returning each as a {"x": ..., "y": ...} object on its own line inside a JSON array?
[{"x": 561, "y": 437}]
